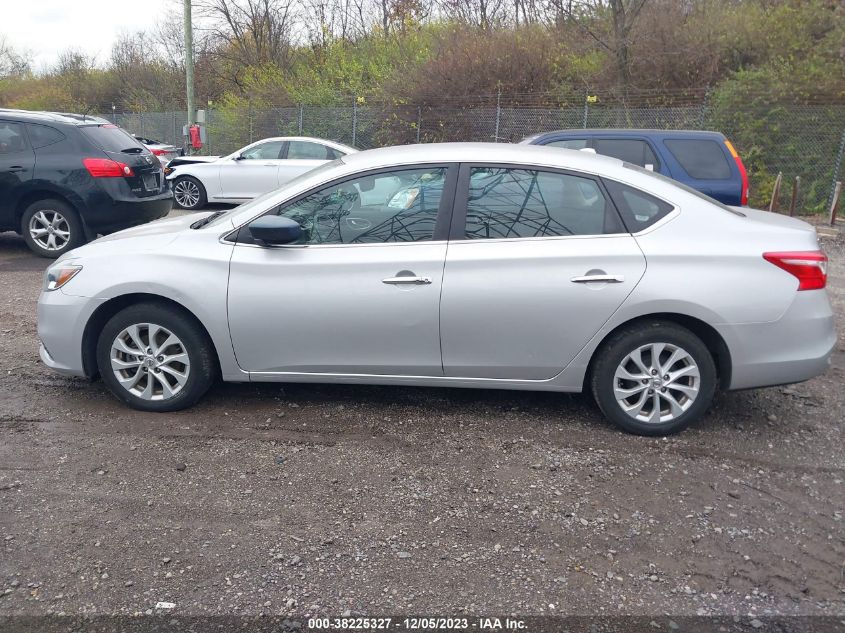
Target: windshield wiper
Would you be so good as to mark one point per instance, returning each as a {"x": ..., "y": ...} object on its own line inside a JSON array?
[
  {"x": 200, "y": 223},
  {"x": 132, "y": 150}
]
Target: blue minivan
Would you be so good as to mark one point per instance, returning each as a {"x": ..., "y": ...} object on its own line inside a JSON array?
[{"x": 705, "y": 161}]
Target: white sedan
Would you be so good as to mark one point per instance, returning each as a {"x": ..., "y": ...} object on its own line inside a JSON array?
[{"x": 251, "y": 171}]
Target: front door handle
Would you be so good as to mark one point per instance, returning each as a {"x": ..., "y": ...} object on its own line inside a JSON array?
[
  {"x": 407, "y": 280},
  {"x": 17, "y": 168},
  {"x": 608, "y": 279}
]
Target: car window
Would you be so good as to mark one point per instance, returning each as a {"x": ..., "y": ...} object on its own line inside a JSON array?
[
  {"x": 270, "y": 150},
  {"x": 680, "y": 185},
  {"x": 701, "y": 159},
  {"x": 303, "y": 150},
  {"x": 395, "y": 206},
  {"x": 12, "y": 139},
  {"x": 513, "y": 203},
  {"x": 43, "y": 135},
  {"x": 110, "y": 138},
  {"x": 633, "y": 151},
  {"x": 639, "y": 209},
  {"x": 569, "y": 143}
]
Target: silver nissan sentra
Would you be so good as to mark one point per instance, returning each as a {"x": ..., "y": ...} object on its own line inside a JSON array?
[{"x": 465, "y": 265}]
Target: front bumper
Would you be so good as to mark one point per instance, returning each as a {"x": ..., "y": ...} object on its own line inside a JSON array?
[
  {"x": 61, "y": 326},
  {"x": 794, "y": 348}
]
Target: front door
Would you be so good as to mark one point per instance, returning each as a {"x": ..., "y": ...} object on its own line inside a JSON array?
[
  {"x": 301, "y": 156},
  {"x": 360, "y": 293},
  {"x": 253, "y": 173},
  {"x": 539, "y": 265},
  {"x": 17, "y": 162}
]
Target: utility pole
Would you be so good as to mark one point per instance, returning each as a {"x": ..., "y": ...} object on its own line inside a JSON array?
[{"x": 189, "y": 63}]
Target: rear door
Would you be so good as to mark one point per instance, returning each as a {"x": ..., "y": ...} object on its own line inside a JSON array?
[
  {"x": 301, "y": 156},
  {"x": 253, "y": 173},
  {"x": 17, "y": 163},
  {"x": 538, "y": 260},
  {"x": 705, "y": 165},
  {"x": 636, "y": 150}
]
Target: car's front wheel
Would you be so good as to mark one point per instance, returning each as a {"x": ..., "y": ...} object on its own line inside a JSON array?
[
  {"x": 51, "y": 228},
  {"x": 188, "y": 193},
  {"x": 154, "y": 357},
  {"x": 654, "y": 378}
]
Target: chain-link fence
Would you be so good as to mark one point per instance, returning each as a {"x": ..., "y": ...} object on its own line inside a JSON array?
[{"x": 796, "y": 140}]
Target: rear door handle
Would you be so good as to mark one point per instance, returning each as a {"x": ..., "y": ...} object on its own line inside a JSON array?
[
  {"x": 608, "y": 279},
  {"x": 407, "y": 280},
  {"x": 17, "y": 168}
]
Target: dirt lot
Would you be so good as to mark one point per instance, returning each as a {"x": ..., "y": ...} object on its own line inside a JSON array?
[{"x": 327, "y": 499}]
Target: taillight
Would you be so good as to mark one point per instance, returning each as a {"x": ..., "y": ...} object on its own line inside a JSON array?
[
  {"x": 156, "y": 151},
  {"x": 106, "y": 168},
  {"x": 743, "y": 200},
  {"x": 809, "y": 267}
]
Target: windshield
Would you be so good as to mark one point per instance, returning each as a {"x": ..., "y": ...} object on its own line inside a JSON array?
[
  {"x": 258, "y": 202},
  {"x": 680, "y": 185}
]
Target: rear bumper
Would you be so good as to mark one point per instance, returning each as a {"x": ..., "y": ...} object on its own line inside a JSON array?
[
  {"x": 116, "y": 214},
  {"x": 794, "y": 348}
]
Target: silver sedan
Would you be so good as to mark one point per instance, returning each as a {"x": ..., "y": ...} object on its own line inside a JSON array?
[{"x": 462, "y": 265}]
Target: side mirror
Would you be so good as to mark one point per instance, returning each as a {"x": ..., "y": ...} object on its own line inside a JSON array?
[
  {"x": 239, "y": 157},
  {"x": 275, "y": 229}
]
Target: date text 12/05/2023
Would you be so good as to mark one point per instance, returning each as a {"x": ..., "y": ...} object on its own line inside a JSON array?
[{"x": 417, "y": 623}]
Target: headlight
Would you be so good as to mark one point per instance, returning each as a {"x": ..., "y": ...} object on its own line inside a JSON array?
[{"x": 59, "y": 275}]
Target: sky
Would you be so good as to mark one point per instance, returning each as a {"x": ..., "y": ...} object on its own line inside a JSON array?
[{"x": 48, "y": 27}]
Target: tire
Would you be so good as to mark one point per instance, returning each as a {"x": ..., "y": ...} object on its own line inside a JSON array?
[
  {"x": 189, "y": 366},
  {"x": 189, "y": 193},
  {"x": 51, "y": 228},
  {"x": 682, "y": 400}
]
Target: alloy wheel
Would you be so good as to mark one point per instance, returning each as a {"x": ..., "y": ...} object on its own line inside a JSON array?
[
  {"x": 150, "y": 361},
  {"x": 656, "y": 383},
  {"x": 50, "y": 230},
  {"x": 187, "y": 193}
]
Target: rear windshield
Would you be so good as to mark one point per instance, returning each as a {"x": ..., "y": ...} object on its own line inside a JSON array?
[
  {"x": 680, "y": 185},
  {"x": 111, "y": 138},
  {"x": 701, "y": 159}
]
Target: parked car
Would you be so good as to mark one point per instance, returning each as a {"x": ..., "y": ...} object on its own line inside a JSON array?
[
  {"x": 64, "y": 178},
  {"x": 249, "y": 172},
  {"x": 705, "y": 161},
  {"x": 464, "y": 265},
  {"x": 164, "y": 151}
]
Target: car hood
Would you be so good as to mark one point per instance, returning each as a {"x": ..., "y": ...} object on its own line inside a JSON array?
[{"x": 144, "y": 238}]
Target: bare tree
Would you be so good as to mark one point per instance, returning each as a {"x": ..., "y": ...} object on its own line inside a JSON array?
[
  {"x": 13, "y": 63},
  {"x": 480, "y": 13},
  {"x": 588, "y": 16},
  {"x": 250, "y": 32}
]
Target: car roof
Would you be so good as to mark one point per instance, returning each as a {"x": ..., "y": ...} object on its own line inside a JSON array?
[
  {"x": 483, "y": 153},
  {"x": 347, "y": 149},
  {"x": 621, "y": 132},
  {"x": 68, "y": 118}
]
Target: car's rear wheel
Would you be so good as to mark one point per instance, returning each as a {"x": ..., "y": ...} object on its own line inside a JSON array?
[
  {"x": 154, "y": 357},
  {"x": 654, "y": 378},
  {"x": 188, "y": 193},
  {"x": 51, "y": 228}
]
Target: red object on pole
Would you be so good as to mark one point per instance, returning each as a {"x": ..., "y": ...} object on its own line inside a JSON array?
[{"x": 194, "y": 134}]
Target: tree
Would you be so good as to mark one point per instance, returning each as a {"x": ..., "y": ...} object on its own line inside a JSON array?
[{"x": 13, "y": 63}]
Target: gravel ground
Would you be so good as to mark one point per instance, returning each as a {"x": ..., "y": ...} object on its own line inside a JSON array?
[{"x": 302, "y": 499}]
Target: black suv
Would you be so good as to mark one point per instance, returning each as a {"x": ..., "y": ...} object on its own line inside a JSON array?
[{"x": 64, "y": 178}]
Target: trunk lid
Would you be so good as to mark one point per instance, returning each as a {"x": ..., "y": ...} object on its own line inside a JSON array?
[{"x": 147, "y": 177}]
